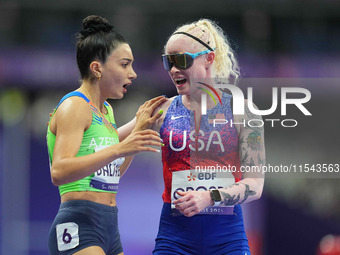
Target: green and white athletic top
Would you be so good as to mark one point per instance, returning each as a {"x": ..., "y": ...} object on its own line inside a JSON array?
[{"x": 101, "y": 134}]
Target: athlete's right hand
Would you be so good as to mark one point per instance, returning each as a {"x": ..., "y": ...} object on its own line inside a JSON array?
[{"x": 139, "y": 141}]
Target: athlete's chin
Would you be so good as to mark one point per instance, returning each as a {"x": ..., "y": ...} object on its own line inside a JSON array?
[
  {"x": 183, "y": 90},
  {"x": 119, "y": 96}
]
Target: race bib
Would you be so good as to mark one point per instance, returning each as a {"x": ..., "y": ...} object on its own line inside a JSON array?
[
  {"x": 67, "y": 236},
  {"x": 107, "y": 177},
  {"x": 191, "y": 180}
]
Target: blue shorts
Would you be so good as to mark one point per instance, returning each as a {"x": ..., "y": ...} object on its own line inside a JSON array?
[
  {"x": 80, "y": 224},
  {"x": 201, "y": 234}
]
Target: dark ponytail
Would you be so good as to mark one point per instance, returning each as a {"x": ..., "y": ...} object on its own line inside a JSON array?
[{"x": 95, "y": 41}]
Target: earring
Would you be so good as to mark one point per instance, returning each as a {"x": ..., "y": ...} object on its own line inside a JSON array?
[{"x": 99, "y": 76}]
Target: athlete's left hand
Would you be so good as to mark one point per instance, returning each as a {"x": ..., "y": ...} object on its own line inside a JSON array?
[
  {"x": 144, "y": 118},
  {"x": 192, "y": 202}
]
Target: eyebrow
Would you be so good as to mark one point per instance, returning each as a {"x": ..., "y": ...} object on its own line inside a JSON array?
[{"x": 127, "y": 59}]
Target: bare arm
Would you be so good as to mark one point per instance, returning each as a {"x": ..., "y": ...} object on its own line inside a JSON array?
[
  {"x": 126, "y": 129},
  {"x": 252, "y": 157},
  {"x": 147, "y": 114}
]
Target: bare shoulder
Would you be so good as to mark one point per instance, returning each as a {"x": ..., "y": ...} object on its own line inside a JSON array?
[
  {"x": 164, "y": 106},
  {"x": 243, "y": 117},
  {"x": 167, "y": 104},
  {"x": 73, "y": 106},
  {"x": 73, "y": 111}
]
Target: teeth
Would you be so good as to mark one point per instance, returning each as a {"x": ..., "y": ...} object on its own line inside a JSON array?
[{"x": 180, "y": 81}]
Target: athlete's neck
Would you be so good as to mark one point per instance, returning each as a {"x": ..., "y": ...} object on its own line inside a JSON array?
[
  {"x": 193, "y": 102},
  {"x": 92, "y": 92}
]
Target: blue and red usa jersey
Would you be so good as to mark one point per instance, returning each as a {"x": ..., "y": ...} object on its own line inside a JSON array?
[{"x": 211, "y": 142}]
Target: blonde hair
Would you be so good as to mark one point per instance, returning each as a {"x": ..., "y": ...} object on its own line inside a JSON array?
[{"x": 225, "y": 65}]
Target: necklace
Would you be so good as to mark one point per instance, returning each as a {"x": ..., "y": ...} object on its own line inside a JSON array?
[{"x": 100, "y": 115}]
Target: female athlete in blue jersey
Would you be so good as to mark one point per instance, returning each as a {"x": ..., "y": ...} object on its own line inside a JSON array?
[{"x": 207, "y": 149}]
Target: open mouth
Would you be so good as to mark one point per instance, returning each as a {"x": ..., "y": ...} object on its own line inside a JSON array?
[
  {"x": 125, "y": 87},
  {"x": 180, "y": 81}
]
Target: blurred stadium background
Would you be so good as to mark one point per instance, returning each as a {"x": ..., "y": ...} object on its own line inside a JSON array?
[{"x": 280, "y": 41}]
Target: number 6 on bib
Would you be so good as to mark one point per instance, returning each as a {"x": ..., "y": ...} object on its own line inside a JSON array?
[{"x": 67, "y": 236}]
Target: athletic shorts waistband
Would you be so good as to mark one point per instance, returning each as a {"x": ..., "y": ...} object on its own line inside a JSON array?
[{"x": 87, "y": 203}]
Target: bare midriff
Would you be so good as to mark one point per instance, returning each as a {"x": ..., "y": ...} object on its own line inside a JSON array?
[{"x": 97, "y": 197}]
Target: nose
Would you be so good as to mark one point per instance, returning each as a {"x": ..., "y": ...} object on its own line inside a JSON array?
[
  {"x": 174, "y": 69},
  {"x": 132, "y": 74}
]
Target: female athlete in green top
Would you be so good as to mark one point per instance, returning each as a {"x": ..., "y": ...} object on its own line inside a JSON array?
[
  {"x": 86, "y": 156},
  {"x": 101, "y": 134}
]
